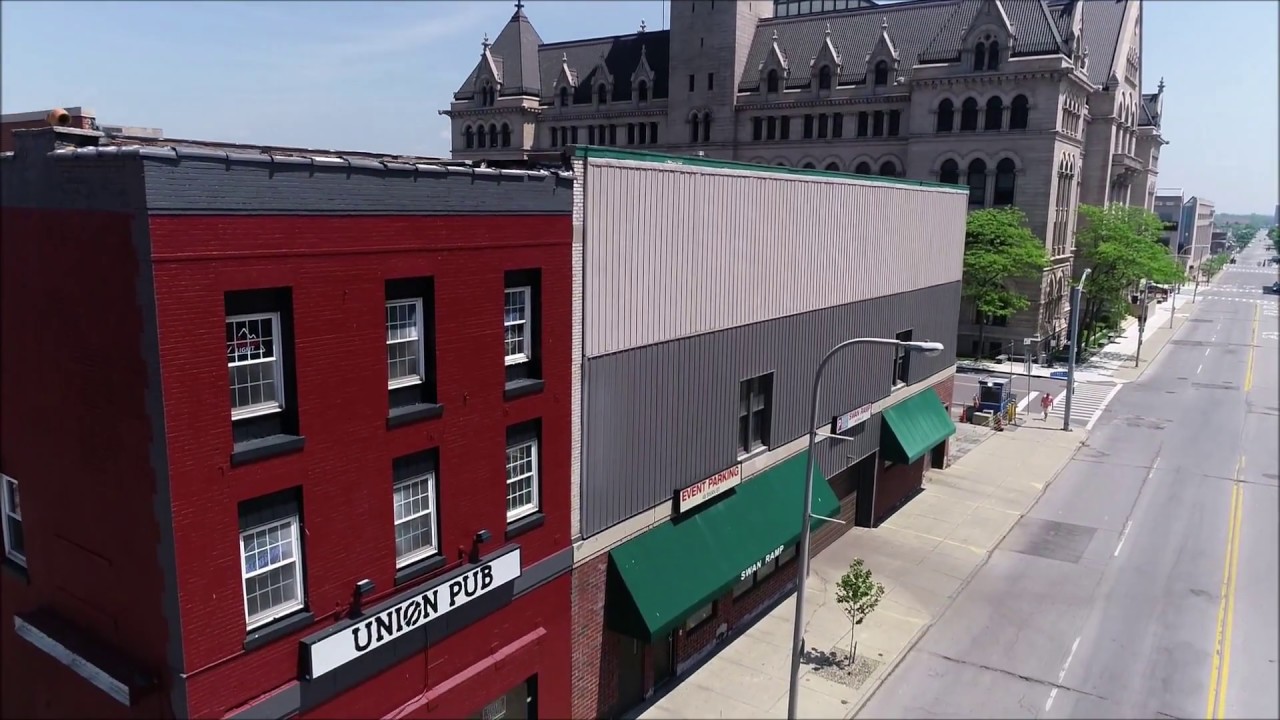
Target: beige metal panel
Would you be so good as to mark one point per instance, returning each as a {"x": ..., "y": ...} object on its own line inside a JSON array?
[{"x": 673, "y": 251}]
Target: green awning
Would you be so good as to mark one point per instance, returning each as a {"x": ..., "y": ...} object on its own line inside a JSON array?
[
  {"x": 659, "y": 578},
  {"x": 916, "y": 425}
]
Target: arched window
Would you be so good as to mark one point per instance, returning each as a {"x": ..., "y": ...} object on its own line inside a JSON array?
[
  {"x": 484, "y": 94},
  {"x": 832, "y": 167},
  {"x": 693, "y": 129},
  {"x": 977, "y": 183},
  {"x": 980, "y": 56},
  {"x": 1004, "y": 189},
  {"x": 555, "y": 137},
  {"x": 602, "y": 94},
  {"x": 506, "y": 135},
  {"x": 946, "y": 116},
  {"x": 642, "y": 91},
  {"x": 470, "y": 136},
  {"x": 969, "y": 114},
  {"x": 824, "y": 78},
  {"x": 995, "y": 114},
  {"x": 810, "y": 166},
  {"x": 564, "y": 96},
  {"x": 493, "y": 95},
  {"x": 863, "y": 168},
  {"x": 888, "y": 169},
  {"x": 493, "y": 136},
  {"x": 993, "y": 55},
  {"x": 949, "y": 173},
  {"x": 882, "y": 73},
  {"x": 1019, "y": 113},
  {"x": 706, "y": 127},
  {"x": 771, "y": 81},
  {"x": 481, "y": 136}
]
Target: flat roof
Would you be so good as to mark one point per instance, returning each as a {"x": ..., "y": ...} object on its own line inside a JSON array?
[
  {"x": 76, "y": 111},
  {"x": 595, "y": 151}
]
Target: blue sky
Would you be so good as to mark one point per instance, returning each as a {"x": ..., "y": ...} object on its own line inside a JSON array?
[{"x": 372, "y": 75}]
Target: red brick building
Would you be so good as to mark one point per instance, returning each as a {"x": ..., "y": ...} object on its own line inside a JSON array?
[{"x": 276, "y": 454}]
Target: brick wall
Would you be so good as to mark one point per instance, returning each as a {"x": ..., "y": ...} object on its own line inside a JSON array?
[
  {"x": 344, "y": 470},
  {"x": 735, "y": 613},
  {"x": 593, "y": 648},
  {"x": 76, "y": 437},
  {"x": 946, "y": 390}
]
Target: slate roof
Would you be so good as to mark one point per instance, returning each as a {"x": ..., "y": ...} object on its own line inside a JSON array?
[
  {"x": 515, "y": 54},
  {"x": 1103, "y": 20},
  {"x": 1037, "y": 31},
  {"x": 1149, "y": 115},
  {"x": 621, "y": 55}
]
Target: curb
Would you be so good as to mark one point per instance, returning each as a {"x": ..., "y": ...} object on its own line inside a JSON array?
[{"x": 915, "y": 639}]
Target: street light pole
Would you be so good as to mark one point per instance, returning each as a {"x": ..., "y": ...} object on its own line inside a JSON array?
[
  {"x": 1142, "y": 320},
  {"x": 802, "y": 571},
  {"x": 1076, "y": 298}
]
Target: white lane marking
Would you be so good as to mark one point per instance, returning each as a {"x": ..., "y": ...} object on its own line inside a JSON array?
[
  {"x": 1027, "y": 400},
  {"x": 1123, "y": 534},
  {"x": 1199, "y": 368},
  {"x": 1093, "y": 420},
  {"x": 1206, "y": 351},
  {"x": 1062, "y": 674}
]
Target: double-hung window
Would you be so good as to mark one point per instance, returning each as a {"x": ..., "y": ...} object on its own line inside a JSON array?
[
  {"x": 755, "y": 409},
  {"x": 15, "y": 549},
  {"x": 414, "y": 499},
  {"x": 521, "y": 327},
  {"x": 260, "y": 373},
  {"x": 404, "y": 343},
  {"x": 271, "y": 557},
  {"x": 516, "y": 325},
  {"x": 255, "y": 364},
  {"x": 523, "y": 480}
]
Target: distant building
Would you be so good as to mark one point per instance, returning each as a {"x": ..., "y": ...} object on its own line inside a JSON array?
[
  {"x": 1168, "y": 207},
  {"x": 1197, "y": 220}
]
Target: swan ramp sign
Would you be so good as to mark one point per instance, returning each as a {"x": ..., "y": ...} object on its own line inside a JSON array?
[{"x": 412, "y": 613}]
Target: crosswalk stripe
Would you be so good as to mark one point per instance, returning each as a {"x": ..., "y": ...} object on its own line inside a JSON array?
[{"x": 1088, "y": 402}]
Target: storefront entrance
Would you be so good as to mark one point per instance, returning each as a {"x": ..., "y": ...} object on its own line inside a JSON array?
[
  {"x": 664, "y": 663},
  {"x": 630, "y": 672},
  {"x": 911, "y": 431}
]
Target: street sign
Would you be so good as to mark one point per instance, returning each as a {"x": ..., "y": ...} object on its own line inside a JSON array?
[{"x": 1058, "y": 375}]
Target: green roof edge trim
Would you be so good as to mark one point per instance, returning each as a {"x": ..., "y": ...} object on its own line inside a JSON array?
[{"x": 611, "y": 153}]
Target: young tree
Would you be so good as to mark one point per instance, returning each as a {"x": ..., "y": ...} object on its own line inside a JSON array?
[
  {"x": 1122, "y": 246},
  {"x": 858, "y": 595},
  {"x": 999, "y": 248}
]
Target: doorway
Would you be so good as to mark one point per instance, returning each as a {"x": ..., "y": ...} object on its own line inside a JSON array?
[
  {"x": 664, "y": 665},
  {"x": 630, "y": 673},
  {"x": 864, "y": 510}
]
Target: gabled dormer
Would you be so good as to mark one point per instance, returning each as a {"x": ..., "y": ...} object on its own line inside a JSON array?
[
  {"x": 488, "y": 76},
  {"x": 643, "y": 77},
  {"x": 986, "y": 43},
  {"x": 775, "y": 69},
  {"x": 825, "y": 67},
  {"x": 883, "y": 62},
  {"x": 566, "y": 83},
  {"x": 601, "y": 82}
]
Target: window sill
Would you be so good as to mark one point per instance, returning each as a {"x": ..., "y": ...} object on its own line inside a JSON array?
[
  {"x": 743, "y": 457},
  {"x": 18, "y": 571},
  {"x": 399, "y": 416},
  {"x": 419, "y": 569},
  {"x": 264, "y": 448},
  {"x": 519, "y": 388},
  {"x": 532, "y": 521},
  {"x": 277, "y": 629}
]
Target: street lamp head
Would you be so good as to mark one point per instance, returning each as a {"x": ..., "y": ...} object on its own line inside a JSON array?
[{"x": 924, "y": 348}]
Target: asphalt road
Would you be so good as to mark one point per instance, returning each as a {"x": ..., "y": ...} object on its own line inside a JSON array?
[{"x": 1122, "y": 593}]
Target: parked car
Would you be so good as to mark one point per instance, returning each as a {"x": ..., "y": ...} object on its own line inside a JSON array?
[{"x": 1275, "y": 288}]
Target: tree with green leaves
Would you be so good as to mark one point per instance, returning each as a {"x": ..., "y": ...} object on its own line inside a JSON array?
[
  {"x": 1274, "y": 235},
  {"x": 857, "y": 595},
  {"x": 999, "y": 248},
  {"x": 1121, "y": 245}
]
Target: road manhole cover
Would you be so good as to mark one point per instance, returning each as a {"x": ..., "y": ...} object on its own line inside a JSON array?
[{"x": 1212, "y": 386}]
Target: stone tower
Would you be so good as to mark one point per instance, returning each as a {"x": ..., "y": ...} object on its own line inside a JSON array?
[{"x": 710, "y": 40}]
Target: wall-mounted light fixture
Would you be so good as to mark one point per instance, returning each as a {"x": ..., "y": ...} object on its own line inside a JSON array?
[
  {"x": 481, "y": 537},
  {"x": 358, "y": 593}
]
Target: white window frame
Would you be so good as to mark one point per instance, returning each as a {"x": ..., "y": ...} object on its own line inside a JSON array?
[
  {"x": 531, "y": 507},
  {"x": 277, "y": 359},
  {"x": 8, "y": 515},
  {"x": 263, "y": 618},
  {"x": 433, "y": 548},
  {"x": 422, "y": 350},
  {"x": 526, "y": 340}
]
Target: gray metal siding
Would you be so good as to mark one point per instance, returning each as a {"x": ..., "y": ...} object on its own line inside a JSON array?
[
  {"x": 661, "y": 417},
  {"x": 256, "y": 187},
  {"x": 674, "y": 251}
]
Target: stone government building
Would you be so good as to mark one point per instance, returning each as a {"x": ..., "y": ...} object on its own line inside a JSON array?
[{"x": 1034, "y": 103}]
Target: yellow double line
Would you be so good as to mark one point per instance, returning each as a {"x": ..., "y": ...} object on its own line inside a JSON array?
[
  {"x": 1216, "y": 706},
  {"x": 1253, "y": 348}
]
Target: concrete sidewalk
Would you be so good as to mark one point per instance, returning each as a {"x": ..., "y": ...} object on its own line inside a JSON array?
[{"x": 923, "y": 555}]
